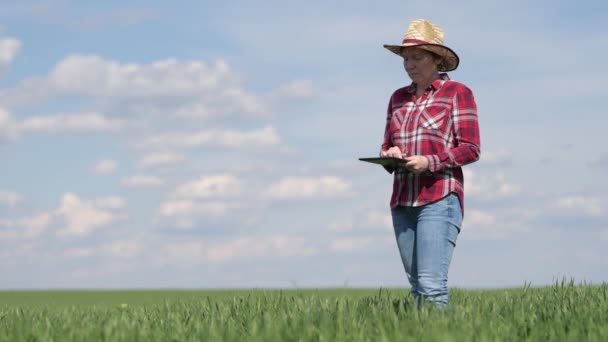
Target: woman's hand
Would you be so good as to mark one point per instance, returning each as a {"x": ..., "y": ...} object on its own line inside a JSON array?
[
  {"x": 417, "y": 164},
  {"x": 391, "y": 152}
]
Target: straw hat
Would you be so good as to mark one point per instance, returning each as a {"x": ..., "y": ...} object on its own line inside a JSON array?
[{"x": 428, "y": 36}]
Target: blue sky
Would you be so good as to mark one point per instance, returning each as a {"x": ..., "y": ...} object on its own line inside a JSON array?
[{"x": 207, "y": 144}]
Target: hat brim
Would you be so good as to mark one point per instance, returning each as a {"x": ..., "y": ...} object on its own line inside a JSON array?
[{"x": 450, "y": 58}]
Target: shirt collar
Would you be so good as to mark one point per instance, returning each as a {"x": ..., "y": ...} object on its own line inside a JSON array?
[{"x": 434, "y": 85}]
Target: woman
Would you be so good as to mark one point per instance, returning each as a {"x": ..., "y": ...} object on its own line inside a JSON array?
[{"x": 431, "y": 124}]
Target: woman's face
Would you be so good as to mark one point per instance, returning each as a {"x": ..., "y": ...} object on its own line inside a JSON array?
[{"x": 420, "y": 65}]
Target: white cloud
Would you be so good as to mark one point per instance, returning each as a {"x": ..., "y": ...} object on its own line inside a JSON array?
[
  {"x": 177, "y": 208},
  {"x": 380, "y": 219},
  {"x": 10, "y": 199},
  {"x": 183, "y": 88},
  {"x": 105, "y": 166},
  {"x": 212, "y": 186},
  {"x": 112, "y": 203},
  {"x": 9, "y": 47},
  {"x": 159, "y": 159},
  {"x": 267, "y": 136},
  {"x": 588, "y": 205},
  {"x": 294, "y": 188},
  {"x": 81, "y": 218},
  {"x": 142, "y": 181},
  {"x": 478, "y": 217},
  {"x": 72, "y": 123},
  {"x": 480, "y": 225},
  {"x": 243, "y": 248},
  {"x": 368, "y": 221},
  {"x": 298, "y": 89},
  {"x": 350, "y": 244},
  {"x": 9, "y": 130},
  {"x": 210, "y": 196},
  {"x": 90, "y": 75},
  {"x": 214, "y": 208},
  {"x": 87, "y": 122},
  {"x": 188, "y": 208},
  {"x": 502, "y": 224},
  {"x": 241, "y": 104},
  {"x": 498, "y": 157},
  {"x": 35, "y": 226},
  {"x": 25, "y": 228},
  {"x": 489, "y": 187},
  {"x": 344, "y": 225},
  {"x": 276, "y": 245}
]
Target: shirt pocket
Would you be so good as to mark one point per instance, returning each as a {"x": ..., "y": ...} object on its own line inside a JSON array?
[
  {"x": 398, "y": 117},
  {"x": 434, "y": 117},
  {"x": 396, "y": 121}
]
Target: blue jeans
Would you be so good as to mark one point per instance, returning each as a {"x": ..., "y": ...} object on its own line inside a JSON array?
[{"x": 426, "y": 237}]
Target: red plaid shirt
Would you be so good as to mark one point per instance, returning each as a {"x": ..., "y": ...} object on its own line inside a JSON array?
[{"x": 442, "y": 126}]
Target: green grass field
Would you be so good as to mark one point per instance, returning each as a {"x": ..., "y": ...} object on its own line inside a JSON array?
[{"x": 563, "y": 312}]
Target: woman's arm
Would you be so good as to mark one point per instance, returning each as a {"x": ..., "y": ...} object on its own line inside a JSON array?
[
  {"x": 466, "y": 134},
  {"x": 387, "y": 142}
]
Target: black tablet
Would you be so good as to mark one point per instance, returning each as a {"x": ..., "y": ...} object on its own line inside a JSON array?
[{"x": 386, "y": 161}]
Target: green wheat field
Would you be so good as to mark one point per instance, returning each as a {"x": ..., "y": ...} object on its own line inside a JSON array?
[{"x": 563, "y": 312}]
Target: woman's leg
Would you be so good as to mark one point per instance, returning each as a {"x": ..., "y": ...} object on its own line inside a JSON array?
[
  {"x": 404, "y": 223},
  {"x": 437, "y": 229}
]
